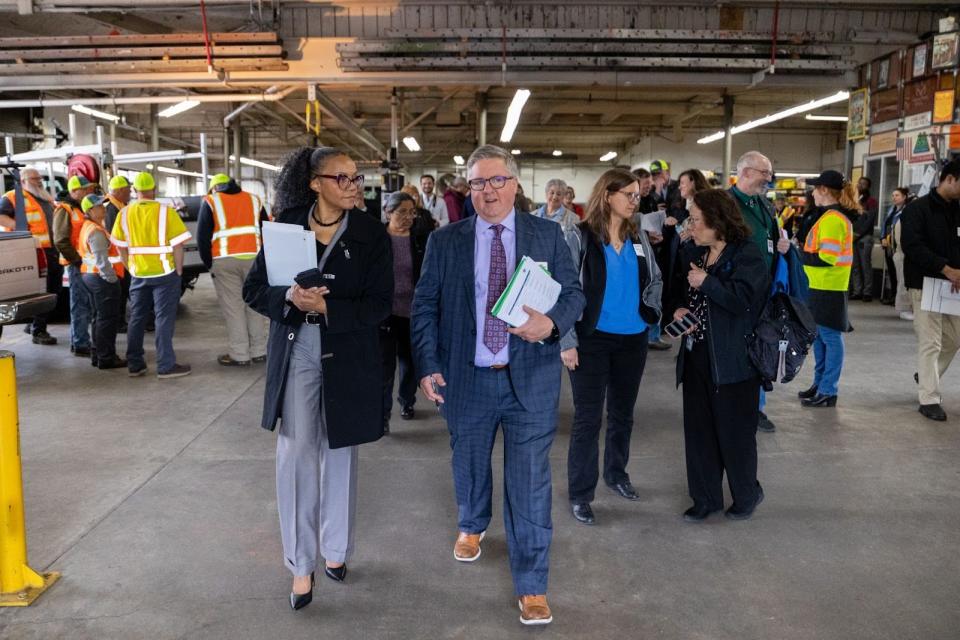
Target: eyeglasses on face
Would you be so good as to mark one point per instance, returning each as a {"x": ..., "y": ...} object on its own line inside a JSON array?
[
  {"x": 764, "y": 172},
  {"x": 497, "y": 182},
  {"x": 343, "y": 180},
  {"x": 632, "y": 196}
]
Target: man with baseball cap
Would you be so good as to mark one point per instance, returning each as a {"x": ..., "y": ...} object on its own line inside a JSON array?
[
  {"x": 228, "y": 238},
  {"x": 67, "y": 222},
  {"x": 117, "y": 199},
  {"x": 150, "y": 237}
]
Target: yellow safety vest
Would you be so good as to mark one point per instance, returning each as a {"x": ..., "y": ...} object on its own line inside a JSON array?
[
  {"x": 149, "y": 231},
  {"x": 236, "y": 225},
  {"x": 831, "y": 239}
]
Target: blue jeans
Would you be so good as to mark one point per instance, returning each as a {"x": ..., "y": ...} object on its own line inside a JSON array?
[
  {"x": 527, "y": 493},
  {"x": 80, "y": 309},
  {"x": 653, "y": 332},
  {"x": 828, "y": 352},
  {"x": 164, "y": 294}
]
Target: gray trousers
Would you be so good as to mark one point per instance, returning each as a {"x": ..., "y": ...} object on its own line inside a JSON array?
[
  {"x": 246, "y": 329},
  {"x": 316, "y": 485},
  {"x": 861, "y": 276}
]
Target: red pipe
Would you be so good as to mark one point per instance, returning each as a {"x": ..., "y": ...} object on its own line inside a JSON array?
[
  {"x": 776, "y": 28},
  {"x": 206, "y": 36}
]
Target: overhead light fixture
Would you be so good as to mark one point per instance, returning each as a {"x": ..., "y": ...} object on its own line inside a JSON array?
[
  {"x": 840, "y": 96},
  {"x": 178, "y": 108},
  {"x": 150, "y": 166},
  {"x": 810, "y": 116},
  {"x": 513, "y": 114},
  {"x": 79, "y": 108},
  {"x": 179, "y": 172},
  {"x": 609, "y": 155},
  {"x": 557, "y": 153},
  {"x": 794, "y": 174},
  {"x": 515, "y": 152},
  {"x": 458, "y": 160},
  {"x": 256, "y": 163},
  {"x": 411, "y": 143}
]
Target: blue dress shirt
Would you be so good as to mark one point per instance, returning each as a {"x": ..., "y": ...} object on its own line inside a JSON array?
[{"x": 481, "y": 278}]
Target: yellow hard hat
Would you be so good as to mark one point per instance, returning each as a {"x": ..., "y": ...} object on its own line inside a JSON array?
[
  {"x": 77, "y": 182},
  {"x": 143, "y": 181},
  {"x": 220, "y": 178},
  {"x": 119, "y": 182},
  {"x": 90, "y": 202}
]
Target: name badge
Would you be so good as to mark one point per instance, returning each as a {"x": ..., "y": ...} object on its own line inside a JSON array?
[
  {"x": 638, "y": 249},
  {"x": 770, "y": 244},
  {"x": 329, "y": 276}
]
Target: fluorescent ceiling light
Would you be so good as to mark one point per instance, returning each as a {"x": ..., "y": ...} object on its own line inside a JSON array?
[
  {"x": 609, "y": 155},
  {"x": 179, "y": 107},
  {"x": 840, "y": 96},
  {"x": 179, "y": 172},
  {"x": 792, "y": 174},
  {"x": 411, "y": 143},
  {"x": 515, "y": 152},
  {"x": 810, "y": 116},
  {"x": 150, "y": 166},
  {"x": 256, "y": 163},
  {"x": 557, "y": 153},
  {"x": 513, "y": 114},
  {"x": 458, "y": 160},
  {"x": 79, "y": 108}
]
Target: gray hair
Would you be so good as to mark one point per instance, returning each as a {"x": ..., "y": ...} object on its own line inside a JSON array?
[
  {"x": 748, "y": 158},
  {"x": 459, "y": 181},
  {"x": 555, "y": 182},
  {"x": 493, "y": 152},
  {"x": 396, "y": 199}
]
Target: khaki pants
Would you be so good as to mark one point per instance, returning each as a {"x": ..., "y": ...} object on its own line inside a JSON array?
[
  {"x": 938, "y": 337},
  {"x": 246, "y": 329}
]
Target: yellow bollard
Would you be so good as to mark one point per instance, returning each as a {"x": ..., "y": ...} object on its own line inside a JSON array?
[{"x": 19, "y": 584}]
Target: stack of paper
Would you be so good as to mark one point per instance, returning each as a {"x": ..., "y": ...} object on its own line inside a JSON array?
[
  {"x": 938, "y": 297},
  {"x": 288, "y": 250},
  {"x": 530, "y": 285}
]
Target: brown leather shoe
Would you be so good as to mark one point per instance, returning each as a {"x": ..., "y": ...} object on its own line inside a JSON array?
[
  {"x": 467, "y": 548},
  {"x": 535, "y": 610}
]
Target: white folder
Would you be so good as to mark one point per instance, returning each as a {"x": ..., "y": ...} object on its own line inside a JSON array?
[{"x": 288, "y": 250}]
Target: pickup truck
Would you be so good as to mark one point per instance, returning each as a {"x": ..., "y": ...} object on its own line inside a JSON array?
[
  {"x": 189, "y": 209},
  {"x": 23, "y": 279}
]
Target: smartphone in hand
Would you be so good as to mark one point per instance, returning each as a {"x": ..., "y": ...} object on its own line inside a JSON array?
[{"x": 679, "y": 327}]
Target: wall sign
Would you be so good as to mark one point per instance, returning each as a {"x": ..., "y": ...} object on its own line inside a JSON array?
[
  {"x": 919, "y": 60},
  {"x": 945, "y": 46},
  {"x": 943, "y": 104},
  {"x": 918, "y": 121},
  {"x": 883, "y": 142},
  {"x": 857, "y": 111}
]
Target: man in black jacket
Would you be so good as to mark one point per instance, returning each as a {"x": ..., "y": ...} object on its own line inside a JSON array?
[
  {"x": 861, "y": 276},
  {"x": 930, "y": 238}
]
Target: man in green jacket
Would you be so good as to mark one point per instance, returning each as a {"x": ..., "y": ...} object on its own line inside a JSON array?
[{"x": 754, "y": 172}]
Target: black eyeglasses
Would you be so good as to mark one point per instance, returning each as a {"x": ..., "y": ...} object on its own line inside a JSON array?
[
  {"x": 497, "y": 182},
  {"x": 343, "y": 180}
]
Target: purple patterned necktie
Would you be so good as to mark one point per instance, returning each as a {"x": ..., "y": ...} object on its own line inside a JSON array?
[{"x": 494, "y": 329}]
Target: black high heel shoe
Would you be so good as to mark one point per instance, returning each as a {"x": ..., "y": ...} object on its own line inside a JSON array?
[
  {"x": 338, "y": 573},
  {"x": 300, "y": 600}
]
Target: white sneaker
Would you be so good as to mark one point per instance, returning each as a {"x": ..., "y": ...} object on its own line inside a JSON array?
[{"x": 906, "y": 315}]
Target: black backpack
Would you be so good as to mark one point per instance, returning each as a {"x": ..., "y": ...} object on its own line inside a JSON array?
[{"x": 781, "y": 339}]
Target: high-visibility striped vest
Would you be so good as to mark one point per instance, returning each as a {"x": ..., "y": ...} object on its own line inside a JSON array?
[
  {"x": 36, "y": 220},
  {"x": 149, "y": 231},
  {"x": 89, "y": 265},
  {"x": 76, "y": 223},
  {"x": 831, "y": 238},
  {"x": 236, "y": 224}
]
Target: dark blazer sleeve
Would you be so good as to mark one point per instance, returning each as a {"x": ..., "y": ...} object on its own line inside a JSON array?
[
  {"x": 205, "y": 233},
  {"x": 373, "y": 304},
  {"x": 912, "y": 224},
  {"x": 750, "y": 279},
  {"x": 571, "y": 301},
  {"x": 425, "y": 315},
  {"x": 267, "y": 300}
]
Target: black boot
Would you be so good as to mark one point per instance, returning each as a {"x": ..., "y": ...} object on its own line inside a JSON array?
[{"x": 807, "y": 393}]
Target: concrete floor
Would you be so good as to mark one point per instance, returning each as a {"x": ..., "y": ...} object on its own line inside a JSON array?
[{"x": 156, "y": 501}]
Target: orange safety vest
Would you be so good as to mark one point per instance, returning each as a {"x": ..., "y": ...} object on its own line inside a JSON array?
[
  {"x": 236, "y": 224},
  {"x": 76, "y": 223},
  {"x": 36, "y": 220},
  {"x": 113, "y": 254}
]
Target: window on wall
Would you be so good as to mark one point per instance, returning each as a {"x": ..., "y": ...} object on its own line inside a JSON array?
[{"x": 173, "y": 187}]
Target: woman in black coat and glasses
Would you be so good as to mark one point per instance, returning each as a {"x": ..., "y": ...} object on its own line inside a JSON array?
[{"x": 323, "y": 361}]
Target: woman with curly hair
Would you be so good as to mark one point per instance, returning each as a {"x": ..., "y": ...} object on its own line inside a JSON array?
[{"x": 323, "y": 361}]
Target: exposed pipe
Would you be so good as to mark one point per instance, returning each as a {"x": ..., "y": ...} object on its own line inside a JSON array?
[
  {"x": 92, "y": 102},
  {"x": 271, "y": 91}
]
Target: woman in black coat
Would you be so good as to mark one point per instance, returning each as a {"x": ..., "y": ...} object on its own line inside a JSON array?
[
  {"x": 409, "y": 245},
  {"x": 323, "y": 361},
  {"x": 727, "y": 284}
]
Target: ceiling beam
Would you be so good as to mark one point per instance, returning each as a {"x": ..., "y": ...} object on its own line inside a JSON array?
[{"x": 334, "y": 110}]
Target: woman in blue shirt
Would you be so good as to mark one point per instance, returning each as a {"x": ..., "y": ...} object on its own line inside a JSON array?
[{"x": 607, "y": 349}]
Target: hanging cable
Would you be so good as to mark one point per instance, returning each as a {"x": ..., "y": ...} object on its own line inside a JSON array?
[{"x": 206, "y": 36}]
